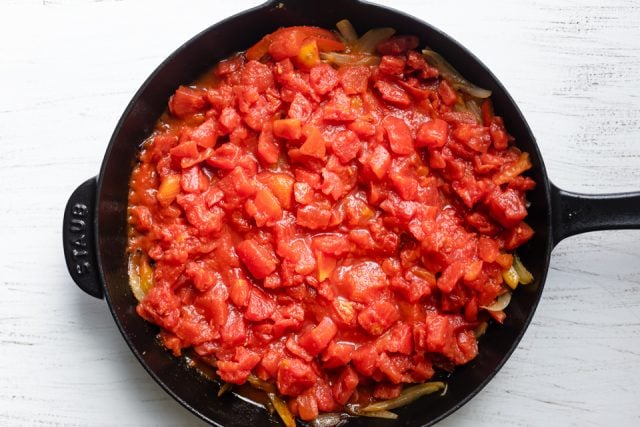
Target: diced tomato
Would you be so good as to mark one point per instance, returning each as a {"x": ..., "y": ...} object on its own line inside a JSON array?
[
  {"x": 337, "y": 354},
  {"x": 392, "y": 65},
  {"x": 313, "y": 217},
  {"x": 397, "y": 45},
  {"x": 229, "y": 120},
  {"x": 450, "y": 276},
  {"x": 265, "y": 208},
  {"x": 393, "y": 93},
  {"x": 354, "y": 79},
  {"x": 239, "y": 292},
  {"x": 317, "y": 339},
  {"x": 378, "y": 317},
  {"x": 294, "y": 377},
  {"x": 314, "y": 145},
  {"x": 379, "y": 161},
  {"x": 257, "y": 75},
  {"x": 506, "y": 207},
  {"x": 268, "y": 149},
  {"x": 433, "y": 134},
  {"x": 206, "y": 134},
  {"x": 346, "y": 146},
  {"x": 234, "y": 330},
  {"x": 346, "y": 384},
  {"x": 226, "y": 156},
  {"x": 323, "y": 78},
  {"x": 185, "y": 149},
  {"x": 399, "y": 135},
  {"x": 260, "y": 306},
  {"x": 384, "y": 391},
  {"x": 258, "y": 259},
  {"x": 237, "y": 371},
  {"x": 517, "y": 236},
  {"x": 363, "y": 282},
  {"x": 488, "y": 249},
  {"x": 187, "y": 101},
  {"x": 214, "y": 303},
  {"x": 300, "y": 108},
  {"x": 364, "y": 359},
  {"x": 281, "y": 185},
  {"x": 307, "y": 407},
  {"x": 447, "y": 93},
  {"x": 287, "y": 128}
]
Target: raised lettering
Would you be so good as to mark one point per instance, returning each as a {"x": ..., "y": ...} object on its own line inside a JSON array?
[
  {"x": 83, "y": 268},
  {"x": 81, "y": 241},
  {"x": 77, "y": 225},
  {"x": 80, "y": 210},
  {"x": 79, "y": 253}
]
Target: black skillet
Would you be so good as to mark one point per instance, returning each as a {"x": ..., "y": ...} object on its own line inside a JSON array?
[{"x": 95, "y": 220}]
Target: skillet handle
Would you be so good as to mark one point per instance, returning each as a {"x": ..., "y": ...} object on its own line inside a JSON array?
[
  {"x": 574, "y": 213},
  {"x": 78, "y": 238}
]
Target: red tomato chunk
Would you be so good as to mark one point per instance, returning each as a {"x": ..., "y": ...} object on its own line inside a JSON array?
[{"x": 334, "y": 231}]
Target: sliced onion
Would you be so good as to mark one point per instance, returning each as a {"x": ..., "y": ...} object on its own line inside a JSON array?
[
  {"x": 474, "y": 108},
  {"x": 224, "y": 389},
  {"x": 407, "y": 396},
  {"x": 347, "y": 31},
  {"x": 500, "y": 303},
  {"x": 328, "y": 419},
  {"x": 357, "y": 411},
  {"x": 511, "y": 277},
  {"x": 371, "y": 39},
  {"x": 260, "y": 385},
  {"x": 340, "y": 59},
  {"x": 481, "y": 329},
  {"x": 454, "y": 77},
  {"x": 525, "y": 275},
  {"x": 134, "y": 276},
  {"x": 282, "y": 409}
]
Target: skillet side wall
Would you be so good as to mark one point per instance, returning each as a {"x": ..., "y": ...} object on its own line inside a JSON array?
[{"x": 187, "y": 63}]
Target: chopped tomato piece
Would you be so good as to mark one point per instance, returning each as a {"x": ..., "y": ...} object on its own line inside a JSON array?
[
  {"x": 433, "y": 134},
  {"x": 259, "y": 260},
  {"x": 287, "y": 128},
  {"x": 317, "y": 339},
  {"x": 399, "y": 135},
  {"x": 187, "y": 101}
]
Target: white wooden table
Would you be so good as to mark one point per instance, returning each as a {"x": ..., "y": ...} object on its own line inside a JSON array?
[{"x": 69, "y": 67}]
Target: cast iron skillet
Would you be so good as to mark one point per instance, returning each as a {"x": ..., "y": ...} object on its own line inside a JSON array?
[{"x": 95, "y": 218}]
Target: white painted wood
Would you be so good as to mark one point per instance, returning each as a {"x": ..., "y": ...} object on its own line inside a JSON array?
[{"x": 69, "y": 67}]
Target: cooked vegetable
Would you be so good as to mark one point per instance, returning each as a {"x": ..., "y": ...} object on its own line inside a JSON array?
[
  {"x": 357, "y": 411},
  {"x": 282, "y": 409},
  {"x": 407, "y": 396},
  {"x": 525, "y": 275},
  {"x": 340, "y": 59},
  {"x": 500, "y": 303},
  {"x": 371, "y": 39},
  {"x": 328, "y": 419},
  {"x": 454, "y": 77},
  {"x": 511, "y": 277},
  {"x": 224, "y": 389},
  {"x": 169, "y": 189},
  {"x": 481, "y": 329},
  {"x": 347, "y": 31},
  {"x": 140, "y": 275},
  {"x": 261, "y": 385},
  {"x": 134, "y": 276}
]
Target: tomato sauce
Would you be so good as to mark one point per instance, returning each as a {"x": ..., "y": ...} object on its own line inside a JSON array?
[{"x": 333, "y": 231}]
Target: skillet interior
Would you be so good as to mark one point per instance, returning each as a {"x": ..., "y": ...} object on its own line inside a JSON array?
[{"x": 189, "y": 61}]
